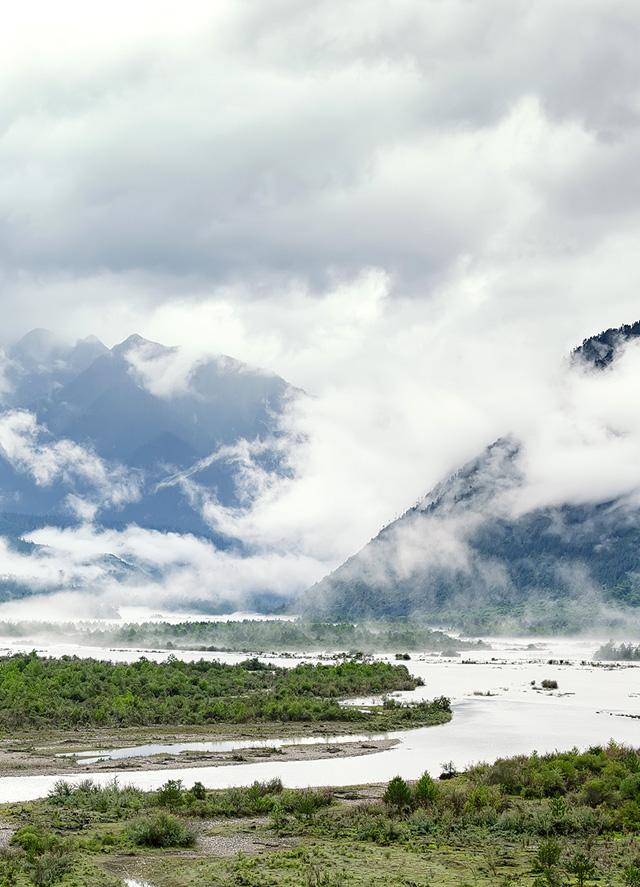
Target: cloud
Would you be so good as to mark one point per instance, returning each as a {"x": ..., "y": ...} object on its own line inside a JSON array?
[
  {"x": 170, "y": 567},
  {"x": 305, "y": 144},
  {"x": 29, "y": 448},
  {"x": 412, "y": 212}
]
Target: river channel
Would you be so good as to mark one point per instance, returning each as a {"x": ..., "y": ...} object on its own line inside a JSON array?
[{"x": 499, "y": 709}]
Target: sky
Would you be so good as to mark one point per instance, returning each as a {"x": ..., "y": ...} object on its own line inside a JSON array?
[{"x": 411, "y": 210}]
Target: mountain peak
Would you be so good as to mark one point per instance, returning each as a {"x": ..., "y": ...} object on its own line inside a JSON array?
[
  {"x": 601, "y": 350},
  {"x": 37, "y": 345},
  {"x": 135, "y": 342},
  {"x": 90, "y": 340}
]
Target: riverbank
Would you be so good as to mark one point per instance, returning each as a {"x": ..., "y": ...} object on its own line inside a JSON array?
[
  {"x": 61, "y": 753},
  {"x": 563, "y": 818}
]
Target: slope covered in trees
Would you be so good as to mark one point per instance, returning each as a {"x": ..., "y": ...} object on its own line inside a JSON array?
[{"x": 466, "y": 556}]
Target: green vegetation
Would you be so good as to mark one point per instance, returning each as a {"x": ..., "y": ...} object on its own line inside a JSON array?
[
  {"x": 70, "y": 692},
  {"x": 570, "y": 818},
  {"x": 248, "y": 635},
  {"x": 620, "y": 653},
  {"x": 546, "y": 558}
]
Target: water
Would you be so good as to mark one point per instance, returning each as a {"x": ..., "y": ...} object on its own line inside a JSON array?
[
  {"x": 482, "y": 729},
  {"x": 591, "y": 706}
]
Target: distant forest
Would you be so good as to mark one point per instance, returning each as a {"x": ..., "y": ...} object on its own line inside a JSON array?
[
  {"x": 247, "y": 636},
  {"x": 619, "y": 653}
]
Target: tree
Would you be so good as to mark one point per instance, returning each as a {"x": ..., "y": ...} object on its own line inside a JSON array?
[
  {"x": 398, "y": 794},
  {"x": 582, "y": 867},
  {"x": 425, "y": 790}
]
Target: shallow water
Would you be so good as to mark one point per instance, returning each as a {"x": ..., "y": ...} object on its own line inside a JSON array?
[{"x": 482, "y": 729}]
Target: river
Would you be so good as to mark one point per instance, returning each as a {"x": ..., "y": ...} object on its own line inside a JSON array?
[{"x": 499, "y": 709}]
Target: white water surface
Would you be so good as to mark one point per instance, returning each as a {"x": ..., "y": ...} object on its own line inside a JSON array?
[{"x": 593, "y": 704}]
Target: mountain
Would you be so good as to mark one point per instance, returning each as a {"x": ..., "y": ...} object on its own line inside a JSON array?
[
  {"x": 600, "y": 351},
  {"x": 133, "y": 436},
  {"x": 468, "y": 556}
]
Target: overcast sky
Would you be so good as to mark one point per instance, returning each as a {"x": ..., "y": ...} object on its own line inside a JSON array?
[{"x": 411, "y": 209}]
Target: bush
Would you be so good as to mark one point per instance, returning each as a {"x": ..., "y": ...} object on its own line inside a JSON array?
[
  {"x": 49, "y": 868},
  {"x": 163, "y": 830},
  {"x": 170, "y": 794},
  {"x": 198, "y": 791}
]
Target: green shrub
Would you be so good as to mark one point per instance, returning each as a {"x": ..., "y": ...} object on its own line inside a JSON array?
[
  {"x": 631, "y": 875},
  {"x": 420, "y": 823},
  {"x": 377, "y": 828},
  {"x": 162, "y": 830},
  {"x": 425, "y": 791},
  {"x": 49, "y": 868},
  {"x": 170, "y": 794},
  {"x": 32, "y": 840},
  {"x": 198, "y": 791}
]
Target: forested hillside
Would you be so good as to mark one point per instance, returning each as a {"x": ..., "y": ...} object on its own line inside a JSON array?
[{"x": 465, "y": 556}]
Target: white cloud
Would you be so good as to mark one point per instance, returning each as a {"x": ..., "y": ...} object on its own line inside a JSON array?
[{"x": 29, "y": 448}]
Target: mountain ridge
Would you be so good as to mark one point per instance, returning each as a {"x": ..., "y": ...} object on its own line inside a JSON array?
[{"x": 465, "y": 556}]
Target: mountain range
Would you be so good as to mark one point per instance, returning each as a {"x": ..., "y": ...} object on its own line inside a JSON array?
[
  {"x": 136, "y": 457},
  {"x": 130, "y": 435}
]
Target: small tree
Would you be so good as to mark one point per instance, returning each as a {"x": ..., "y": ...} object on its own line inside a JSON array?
[
  {"x": 546, "y": 861},
  {"x": 198, "y": 791},
  {"x": 582, "y": 867},
  {"x": 170, "y": 795},
  {"x": 425, "y": 790},
  {"x": 398, "y": 794}
]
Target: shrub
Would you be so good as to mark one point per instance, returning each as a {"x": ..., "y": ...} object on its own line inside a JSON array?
[
  {"x": 549, "y": 684},
  {"x": 548, "y": 855},
  {"x": 305, "y": 802},
  {"x": 198, "y": 791},
  {"x": 631, "y": 876},
  {"x": 162, "y": 830},
  {"x": 170, "y": 794},
  {"x": 581, "y": 866},
  {"x": 49, "y": 868},
  {"x": 32, "y": 840},
  {"x": 377, "y": 828},
  {"x": 420, "y": 823}
]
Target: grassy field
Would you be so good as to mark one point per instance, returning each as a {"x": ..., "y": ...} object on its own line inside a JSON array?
[{"x": 561, "y": 819}]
